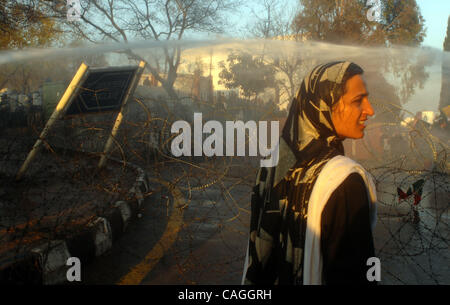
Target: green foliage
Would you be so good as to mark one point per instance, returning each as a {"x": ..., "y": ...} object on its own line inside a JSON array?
[
  {"x": 402, "y": 22},
  {"x": 346, "y": 22},
  {"x": 446, "y": 45},
  {"x": 445, "y": 82},
  {"x": 249, "y": 74},
  {"x": 24, "y": 24}
]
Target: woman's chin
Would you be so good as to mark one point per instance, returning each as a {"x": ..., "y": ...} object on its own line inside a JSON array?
[{"x": 355, "y": 136}]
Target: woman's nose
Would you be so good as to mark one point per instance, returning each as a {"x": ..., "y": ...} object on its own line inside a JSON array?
[{"x": 368, "y": 108}]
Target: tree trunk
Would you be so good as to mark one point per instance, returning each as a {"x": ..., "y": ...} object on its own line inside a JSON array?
[{"x": 445, "y": 88}]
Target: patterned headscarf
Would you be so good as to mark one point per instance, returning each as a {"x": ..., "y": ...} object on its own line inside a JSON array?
[{"x": 280, "y": 197}]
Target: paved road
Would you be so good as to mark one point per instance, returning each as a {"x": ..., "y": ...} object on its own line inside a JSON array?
[
  {"x": 200, "y": 236},
  {"x": 193, "y": 237}
]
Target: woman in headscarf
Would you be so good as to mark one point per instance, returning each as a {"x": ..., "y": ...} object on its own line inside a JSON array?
[{"x": 312, "y": 214}]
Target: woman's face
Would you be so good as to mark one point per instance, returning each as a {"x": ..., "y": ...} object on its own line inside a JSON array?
[{"x": 350, "y": 114}]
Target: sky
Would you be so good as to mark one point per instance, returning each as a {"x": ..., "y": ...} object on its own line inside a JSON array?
[{"x": 435, "y": 13}]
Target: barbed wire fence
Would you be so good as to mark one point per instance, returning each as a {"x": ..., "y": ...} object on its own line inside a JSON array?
[
  {"x": 63, "y": 190},
  {"x": 412, "y": 233}
]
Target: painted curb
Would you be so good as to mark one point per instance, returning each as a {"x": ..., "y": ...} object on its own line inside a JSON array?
[{"x": 47, "y": 263}]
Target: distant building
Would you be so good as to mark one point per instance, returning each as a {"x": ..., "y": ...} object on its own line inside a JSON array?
[
  {"x": 198, "y": 87},
  {"x": 428, "y": 116},
  {"x": 407, "y": 121}
]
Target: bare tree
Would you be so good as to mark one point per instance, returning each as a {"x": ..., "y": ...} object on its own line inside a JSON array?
[
  {"x": 344, "y": 22},
  {"x": 23, "y": 23},
  {"x": 274, "y": 23},
  {"x": 157, "y": 20}
]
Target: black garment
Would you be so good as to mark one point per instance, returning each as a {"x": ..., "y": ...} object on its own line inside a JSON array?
[
  {"x": 281, "y": 195},
  {"x": 346, "y": 237}
]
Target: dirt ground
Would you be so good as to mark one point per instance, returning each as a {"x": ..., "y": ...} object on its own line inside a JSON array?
[{"x": 59, "y": 195}]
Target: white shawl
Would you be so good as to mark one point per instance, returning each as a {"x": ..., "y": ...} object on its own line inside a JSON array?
[{"x": 331, "y": 176}]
